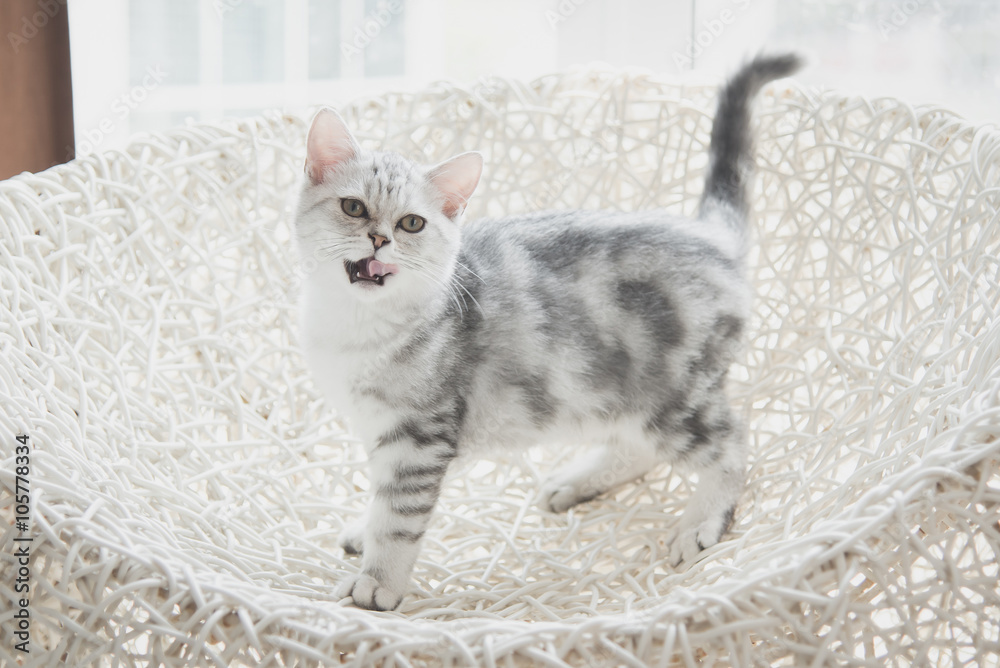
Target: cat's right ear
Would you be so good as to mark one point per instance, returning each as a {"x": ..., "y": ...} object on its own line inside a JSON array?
[{"x": 329, "y": 144}]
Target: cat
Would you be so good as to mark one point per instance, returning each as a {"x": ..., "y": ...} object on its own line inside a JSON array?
[{"x": 436, "y": 337}]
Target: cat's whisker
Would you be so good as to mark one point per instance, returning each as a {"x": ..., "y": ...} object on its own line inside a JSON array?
[
  {"x": 335, "y": 244},
  {"x": 446, "y": 287},
  {"x": 466, "y": 291},
  {"x": 422, "y": 267},
  {"x": 464, "y": 266},
  {"x": 453, "y": 285},
  {"x": 465, "y": 304}
]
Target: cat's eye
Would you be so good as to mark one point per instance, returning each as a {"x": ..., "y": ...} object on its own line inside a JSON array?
[
  {"x": 412, "y": 223},
  {"x": 353, "y": 207}
]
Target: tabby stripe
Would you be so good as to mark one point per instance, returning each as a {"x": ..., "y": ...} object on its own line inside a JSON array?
[
  {"x": 408, "y": 487},
  {"x": 420, "y": 437},
  {"x": 410, "y": 511},
  {"x": 407, "y": 536},
  {"x": 421, "y": 471}
]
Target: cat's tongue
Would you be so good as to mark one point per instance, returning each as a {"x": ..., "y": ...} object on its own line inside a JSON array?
[{"x": 372, "y": 268}]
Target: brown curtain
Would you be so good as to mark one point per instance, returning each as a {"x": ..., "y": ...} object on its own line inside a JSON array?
[{"x": 36, "y": 94}]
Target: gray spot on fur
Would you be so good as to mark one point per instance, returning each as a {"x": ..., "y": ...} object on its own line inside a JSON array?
[
  {"x": 611, "y": 367},
  {"x": 656, "y": 309},
  {"x": 535, "y": 394}
]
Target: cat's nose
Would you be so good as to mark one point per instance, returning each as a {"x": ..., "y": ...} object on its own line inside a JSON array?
[{"x": 377, "y": 240}]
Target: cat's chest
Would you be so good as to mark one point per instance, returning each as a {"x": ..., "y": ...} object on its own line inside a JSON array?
[{"x": 359, "y": 379}]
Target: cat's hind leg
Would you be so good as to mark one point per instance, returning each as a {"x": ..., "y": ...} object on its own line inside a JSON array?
[
  {"x": 595, "y": 472},
  {"x": 720, "y": 462},
  {"x": 352, "y": 538}
]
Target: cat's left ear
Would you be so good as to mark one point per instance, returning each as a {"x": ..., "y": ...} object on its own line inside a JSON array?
[
  {"x": 329, "y": 144},
  {"x": 456, "y": 179}
]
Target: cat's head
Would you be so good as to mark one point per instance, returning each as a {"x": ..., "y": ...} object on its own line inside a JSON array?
[{"x": 380, "y": 226}]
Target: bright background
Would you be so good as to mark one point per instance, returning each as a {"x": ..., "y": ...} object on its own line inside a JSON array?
[{"x": 152, "y": 64}]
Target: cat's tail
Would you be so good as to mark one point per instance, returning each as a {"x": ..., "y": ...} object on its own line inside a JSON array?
[{"x": 731, "y": 157}]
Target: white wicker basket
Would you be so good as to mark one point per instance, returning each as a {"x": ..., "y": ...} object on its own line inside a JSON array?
[{"x": 188, "y": 483}]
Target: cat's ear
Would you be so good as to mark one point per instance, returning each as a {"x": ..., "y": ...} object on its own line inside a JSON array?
[
  {"x": 456, "y": 179},
  {"x": 329, "y": 144}
]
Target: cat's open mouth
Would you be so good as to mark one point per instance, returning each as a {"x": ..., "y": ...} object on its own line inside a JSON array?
[{"x": 369, "y": 270}]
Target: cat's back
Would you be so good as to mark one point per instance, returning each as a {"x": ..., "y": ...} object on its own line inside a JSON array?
[
  {"x": 579, "y": 248},
  {"x": 647, "y": 283}
]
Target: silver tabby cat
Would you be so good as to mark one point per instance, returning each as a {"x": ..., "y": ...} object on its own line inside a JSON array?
[{"x": 436, "y": 337}]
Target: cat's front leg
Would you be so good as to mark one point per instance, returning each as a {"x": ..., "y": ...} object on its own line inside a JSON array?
[{"x": 406, "y": 474}]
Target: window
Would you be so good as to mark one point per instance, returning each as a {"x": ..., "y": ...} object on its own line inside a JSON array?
[{"x": 150, "y": 64}]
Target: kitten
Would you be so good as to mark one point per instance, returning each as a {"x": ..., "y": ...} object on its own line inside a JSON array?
[{"x": 437, "y": 338}]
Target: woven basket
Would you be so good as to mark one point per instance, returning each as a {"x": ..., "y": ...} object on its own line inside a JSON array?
[{"x": 188, "y": 482}]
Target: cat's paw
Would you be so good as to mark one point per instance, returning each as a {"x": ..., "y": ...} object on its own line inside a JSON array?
[
  {"x": 688, "y": 541},
  {"x": 352, "y": 538},
  {"x": 369, "y": 593},
  {"x": 558, "y": 497}
]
